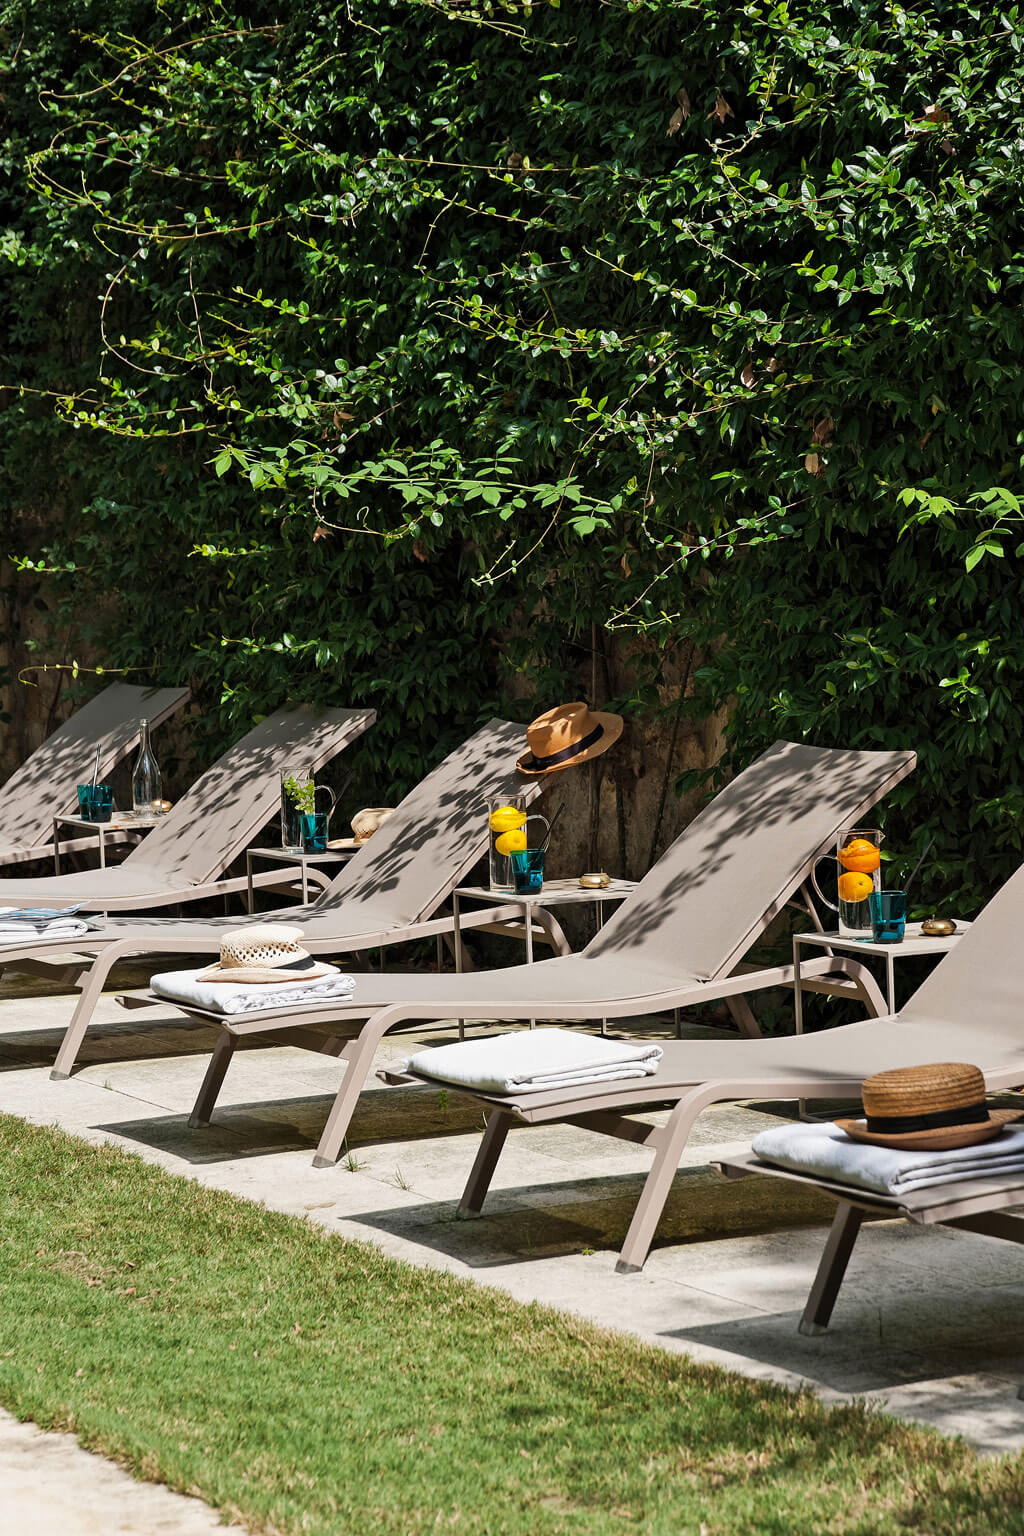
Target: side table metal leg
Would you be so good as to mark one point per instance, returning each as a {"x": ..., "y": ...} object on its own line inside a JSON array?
[
  {"x": 250, "y": 896},
  {"x": 798, "y": 1013},
  {"x": 890, "y": 975},
  {"x": 103, "y": 847},
  {"x": 305, "y": 881},
  {"x": 527, "y": 911},
  {"x": 598, "y": 925},
  {"x": 457, "y": 938},
  {"x": 56, "y": 850}
]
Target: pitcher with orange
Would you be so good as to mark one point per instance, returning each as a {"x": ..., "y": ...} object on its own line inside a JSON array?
[{"x": 858, "y": 856}]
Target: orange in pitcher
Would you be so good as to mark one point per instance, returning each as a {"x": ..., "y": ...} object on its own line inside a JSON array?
[
  {"x": 860, "y": 856},
  {"x": 855, "y": 887}
]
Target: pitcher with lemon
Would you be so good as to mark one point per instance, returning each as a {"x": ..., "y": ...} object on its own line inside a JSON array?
[
  {"x": 858, "y": 855},
  {"x": 506, "y": 821}
]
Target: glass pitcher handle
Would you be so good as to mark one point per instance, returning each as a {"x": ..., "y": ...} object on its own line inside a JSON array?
[
  {"x": 832, "y": 905},
  {"x": 323, "y": 789}
]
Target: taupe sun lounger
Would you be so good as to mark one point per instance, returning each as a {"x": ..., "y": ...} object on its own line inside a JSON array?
[
  {"x": 386, "y": 894},
  {"x": 969, "y": 1009},
  {"x": 46, "y": 783},
  {"x": 678, "y": 940},
  {"x": 184, "y": 856}
]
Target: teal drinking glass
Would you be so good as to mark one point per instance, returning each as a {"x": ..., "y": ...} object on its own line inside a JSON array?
[
  {"x": 313, "y": 826},
  {"x": 527, "y": 870},
  {"x": 888, "y": 916}
]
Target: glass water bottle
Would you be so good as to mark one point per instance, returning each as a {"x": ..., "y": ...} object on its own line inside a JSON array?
[{"x": 147, "y": 790}]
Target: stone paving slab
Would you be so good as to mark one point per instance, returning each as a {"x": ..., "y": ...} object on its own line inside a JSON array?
[
  {"x": 926, "y": 1325},
  {"x": 50, "y": 1485}
]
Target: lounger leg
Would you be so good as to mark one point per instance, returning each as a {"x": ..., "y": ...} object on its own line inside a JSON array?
[
  {"x": 659, "y": 1181},
  {"x": 841, "y": 1238},
  {"x": 358, "y": 1066},
  {"x": 743, "y": 1017},
  {"x": 479, "y": 1181},
  {"x": 202, "y": 1109},
  {"x": 84, "y": 1009}
]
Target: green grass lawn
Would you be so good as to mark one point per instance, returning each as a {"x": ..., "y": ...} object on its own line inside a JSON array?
[{"x": 310, "y": 1385}]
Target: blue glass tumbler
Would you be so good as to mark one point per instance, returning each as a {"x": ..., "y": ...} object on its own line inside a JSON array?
[
  {"x": 313, "y": 826},
  {"x": 527, "y": 870},
  {"x": 888, "y": 916}
]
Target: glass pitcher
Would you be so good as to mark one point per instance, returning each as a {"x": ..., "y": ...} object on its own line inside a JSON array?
[
  {"x": 506, "y": 834},
  {"x": 300, "y": 797},
  {"x": 858, "y": 860}
]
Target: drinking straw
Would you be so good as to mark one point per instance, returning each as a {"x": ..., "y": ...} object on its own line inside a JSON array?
[
  {"x": 551, "y": 827},
  {"x": 96, "y": 768},
  {"x": 907, "y": 883}
]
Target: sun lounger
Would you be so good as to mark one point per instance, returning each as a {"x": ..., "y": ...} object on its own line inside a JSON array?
[
  {"x": 185, "y": 855},
  {"x": 968, "y": 1009},
  {"x": 387, "y": 893},
  {"x": 972, "y": 1205},
  {"x": 678, "y": 940},
  {"x": 46, "y": 783}
]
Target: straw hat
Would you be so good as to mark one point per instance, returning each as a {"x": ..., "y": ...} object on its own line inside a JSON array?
[
  {"x": 935, "y": 1107},
  {"x": 565, "y": 736},
  {"x": 366, "y": 822},
  {"x": 262, "y": 954}
]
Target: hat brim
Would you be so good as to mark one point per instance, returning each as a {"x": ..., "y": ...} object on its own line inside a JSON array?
[
  {"x": 610, "y": 734},
  {"x": 943, "y": 1139},
  {"x": 267, "y": 975}
]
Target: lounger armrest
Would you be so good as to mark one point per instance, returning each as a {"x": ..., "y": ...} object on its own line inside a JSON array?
[{"x": 42, "y": 851}]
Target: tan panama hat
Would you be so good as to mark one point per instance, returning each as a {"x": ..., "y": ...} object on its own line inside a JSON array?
[
  {"x": 567, "y": 735},
  {"x": 265, "y": 953},
  {"x": 934, "y": 1108}
]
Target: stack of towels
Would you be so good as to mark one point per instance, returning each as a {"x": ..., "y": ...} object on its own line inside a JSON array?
[
  {"x": 239, "y": 997},
  {"x": 826, "y": 1152},
  {"x": 20, "y": 925},
  {"x": 532, "y": 1061}
]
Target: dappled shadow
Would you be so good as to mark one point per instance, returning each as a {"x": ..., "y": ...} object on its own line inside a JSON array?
[
  {"x": 432, "y": 840},
  {"x": 711, "y": 893},
  {"x": 113, "y": 1042},
  {"x": 46, "y": 783}
]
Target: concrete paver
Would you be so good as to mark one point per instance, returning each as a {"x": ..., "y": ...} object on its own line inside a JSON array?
[{"x": 926, "y": 1325}]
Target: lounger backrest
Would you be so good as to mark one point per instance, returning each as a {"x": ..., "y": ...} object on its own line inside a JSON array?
[
  {"x": 708, "y": 897},
  {"x": 46, "y": 783},
  {"x": 228, "y": 803},
  {"x": 436, "y": 835},
  {"x": 978, "y": 984}
]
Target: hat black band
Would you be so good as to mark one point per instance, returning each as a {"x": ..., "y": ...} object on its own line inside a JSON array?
[
  {"x": 895, "y": 1125},
  {"x": 538, "y": 764}
]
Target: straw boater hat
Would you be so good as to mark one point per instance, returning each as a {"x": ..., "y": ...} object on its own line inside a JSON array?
[
  {"x": 264, "y": 953},
  {"x": 567, "y": 735},
  {"x": 934, "y": 1108}
]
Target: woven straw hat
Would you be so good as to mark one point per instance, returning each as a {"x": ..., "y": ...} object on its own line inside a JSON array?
[
  {"x": 935, "y": 1107},
  {"x": 567, "y": 735},
  {"x": 366, "y": 821},
  {"x": 264, "y": 953}
]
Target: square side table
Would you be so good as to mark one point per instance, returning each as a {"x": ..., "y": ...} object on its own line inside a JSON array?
[
  {"x": 914, "y": 943},
  {"x": 123, "y": 826},
  {"x": 304, "y": 861}
]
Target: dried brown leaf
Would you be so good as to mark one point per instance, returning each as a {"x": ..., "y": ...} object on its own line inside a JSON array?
[
  {"x": 419, "y": 549},
  {"x": 812, "y": 464},
  {"x": 721, "y": 109},
  {"x": 341, "y": 416},
  {"x": 320, "y": 532},
  {"x": 747, "y": 376},
  {"x": 823, "y": 430},
  {"x": 681, "y": 112}
]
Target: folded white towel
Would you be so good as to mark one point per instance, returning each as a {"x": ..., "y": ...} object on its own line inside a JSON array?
[
  {"x": 222, "y": 997},
  {"x": 826, "y": 1151},
  {"x": 532, "y": 1061},
  {"x": 21, "y": 931}
]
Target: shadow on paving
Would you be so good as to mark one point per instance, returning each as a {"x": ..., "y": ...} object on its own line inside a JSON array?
[
  {"x": 108, "y": 1043},
  {"x": 872, "y": 1348}
]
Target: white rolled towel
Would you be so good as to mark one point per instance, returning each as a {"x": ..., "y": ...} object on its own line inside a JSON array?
[{"x": 532, "y": 1061}]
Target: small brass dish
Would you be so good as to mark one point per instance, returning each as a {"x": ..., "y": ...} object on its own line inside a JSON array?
[
  {"x": 938, "y": 927},
  {"x": 595, "y": 881}
]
